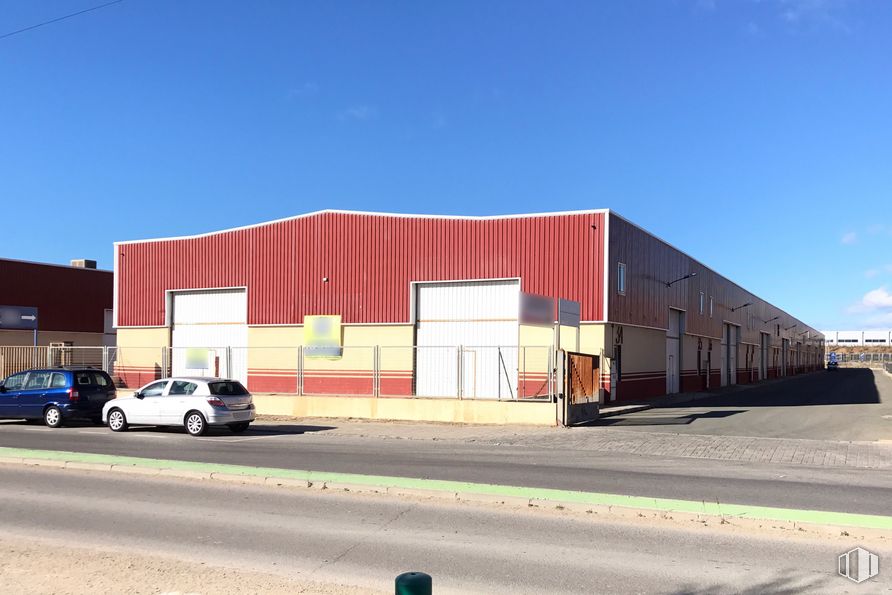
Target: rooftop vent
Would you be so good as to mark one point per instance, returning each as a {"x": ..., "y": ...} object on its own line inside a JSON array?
[{"x": 83, "y": 263}]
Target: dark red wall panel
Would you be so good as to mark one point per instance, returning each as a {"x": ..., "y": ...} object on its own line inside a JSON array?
[
  {"x": 67, "y": 298},
  {"x": 370, "y": 261},
  {"x": 651, "y": 263}
]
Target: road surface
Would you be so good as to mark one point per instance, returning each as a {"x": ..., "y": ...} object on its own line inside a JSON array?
[
  {"x": 844, "y": 404},
  {"x": 368, "y": 540}
]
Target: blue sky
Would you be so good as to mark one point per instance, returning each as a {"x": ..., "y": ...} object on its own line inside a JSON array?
[{"x": 754, "y": 134}]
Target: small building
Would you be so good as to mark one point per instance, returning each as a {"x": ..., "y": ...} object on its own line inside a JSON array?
[
  {"x": 474, "y": 310},
  {"x": 73, "y": 304}
]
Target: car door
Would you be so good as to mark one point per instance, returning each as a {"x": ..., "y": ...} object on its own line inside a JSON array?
[
  {"x": 178, "y": 401},
  {"x": 147, "y": 409},
  {"x": 32, "y": 397},
  {"x": 9, "y": 404}
]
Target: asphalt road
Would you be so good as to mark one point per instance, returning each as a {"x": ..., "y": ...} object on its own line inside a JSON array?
[
  {"x": 538, "y": 463},
  {"x": 367, "y": 540},
  {"x": 845, "y": 404},
  {"x": 814, "y": 488}
]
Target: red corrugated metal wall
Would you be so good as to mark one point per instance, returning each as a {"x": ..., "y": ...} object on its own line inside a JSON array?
[
  {"x": 370, "y": 261},
  {"x": 67, "y": 298}
]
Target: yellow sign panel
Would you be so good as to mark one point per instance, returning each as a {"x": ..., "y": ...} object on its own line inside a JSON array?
[{"x": 322, "y": 336}]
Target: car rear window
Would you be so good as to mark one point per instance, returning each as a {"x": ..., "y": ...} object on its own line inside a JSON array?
[{"x": 227, "y": 389}]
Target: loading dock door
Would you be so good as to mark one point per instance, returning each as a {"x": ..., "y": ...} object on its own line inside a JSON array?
[
  {"x": 729, "y": 355},
  {"x": 673, "y": 351},
  {"x": 480, "y": 316},
  {"x": 763, "y": 359},
  {"x": 204, "y": 324},
  {"x": 785, "y": 356}
]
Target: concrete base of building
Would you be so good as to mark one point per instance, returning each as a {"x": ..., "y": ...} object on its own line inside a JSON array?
[{"x": 399, "y": 409}]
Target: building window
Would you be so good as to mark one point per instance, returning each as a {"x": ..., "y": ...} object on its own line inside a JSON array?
[
  {"x": 702, "y": 302},
  {"x": 710, "y": 306},
  {"x": 621, "y": 278}
]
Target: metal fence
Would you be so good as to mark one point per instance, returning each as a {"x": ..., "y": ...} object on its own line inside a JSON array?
[
  {"x": 863, "y": 359},
  {"x": 16, "y": 359},
  {"x": 507, "y": 373}
]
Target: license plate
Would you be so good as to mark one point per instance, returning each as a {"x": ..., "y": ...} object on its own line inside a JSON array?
[{"x": 242, "y": 415}]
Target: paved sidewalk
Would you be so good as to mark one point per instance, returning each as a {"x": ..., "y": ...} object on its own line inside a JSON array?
[{"x": 826, "y": 453}]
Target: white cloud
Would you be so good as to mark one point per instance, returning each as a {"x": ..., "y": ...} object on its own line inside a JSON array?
[
  {"x": 359, "y": 112},
  {"x": 303, "y": 90},
  {"x": 879, "y": 321},
  {"x": 849, "y": 238},
  {"x": 814, "y": 12},
  {"x": 877, "y": 299}
]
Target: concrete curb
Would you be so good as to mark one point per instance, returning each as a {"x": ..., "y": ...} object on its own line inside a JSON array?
[{"x": 610, "y": 505}]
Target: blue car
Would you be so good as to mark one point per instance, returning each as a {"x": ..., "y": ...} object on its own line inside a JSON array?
[{"x": 56, "y": 395}]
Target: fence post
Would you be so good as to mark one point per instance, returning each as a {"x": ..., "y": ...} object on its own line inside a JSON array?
[
  {"x": 460, "y": 366},
  {"x": 376, "y": 370},
  {"x": 300, "y": 370},
  {"x": 499, "y": 368},
  {"x": 523, "y": 374},
  {"x": 105, "y": 358}
]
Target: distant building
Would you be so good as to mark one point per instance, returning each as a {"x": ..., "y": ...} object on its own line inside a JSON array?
[
  {"x": 858, "y": 338},
  {"x": 73, "y": 304}
]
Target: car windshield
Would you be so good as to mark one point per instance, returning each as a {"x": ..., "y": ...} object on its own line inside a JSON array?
[{"x": 227, "y": 389}]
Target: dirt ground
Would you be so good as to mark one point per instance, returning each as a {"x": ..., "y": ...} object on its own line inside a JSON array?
[{"x": 31, "y": 567}]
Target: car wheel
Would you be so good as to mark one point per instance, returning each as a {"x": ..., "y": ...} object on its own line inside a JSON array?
[
  {"x": 195, "y": 423},
  {"x": 117, "y": 422},
  {"x": 239, "y": 427},
  {"x": 52, "y": 417}
]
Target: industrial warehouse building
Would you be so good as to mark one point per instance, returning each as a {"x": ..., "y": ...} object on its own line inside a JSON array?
[
  {"x": 476, "y": 313},
  {"x": 70, "y": 305},
  {"x": 49, "y": 312}
]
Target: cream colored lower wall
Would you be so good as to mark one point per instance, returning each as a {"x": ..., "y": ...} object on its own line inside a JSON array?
[
  {"x": 272, "y": 362},
  {"x": 592, "y": 338},
  {"x": 44, "y": 338},
  {"x": 436, "y": 410},
  {"x": 144, "y": 337},
  {"x": 644, "y": 350}
]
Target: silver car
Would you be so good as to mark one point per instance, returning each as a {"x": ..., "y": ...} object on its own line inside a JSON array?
[{"x": 194, "y": 403}]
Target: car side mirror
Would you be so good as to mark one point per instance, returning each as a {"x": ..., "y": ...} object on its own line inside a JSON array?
[
  {"x": 138, "y": 395},
  {"x": 2, "y": 389}
]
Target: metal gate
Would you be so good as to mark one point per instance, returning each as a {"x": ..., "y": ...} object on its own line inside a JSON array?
[{"x": 581, "y": 387}]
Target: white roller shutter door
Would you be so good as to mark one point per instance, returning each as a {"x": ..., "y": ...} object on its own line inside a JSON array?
[
  {"x": 481, "y": 316},
  {"x": 214, "y": 320}
]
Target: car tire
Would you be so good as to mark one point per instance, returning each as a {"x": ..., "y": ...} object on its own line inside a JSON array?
[
  {"x": 117, "y": 421},
  {"x": 195, "y": 423},
  {"x": 52, "y": 417},
  {"x": 239, "y": 427}
]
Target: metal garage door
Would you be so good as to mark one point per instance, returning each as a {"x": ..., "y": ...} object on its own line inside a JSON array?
[
  {"x": 210, "y": 333},
  {"x": 480, "y": 316}
]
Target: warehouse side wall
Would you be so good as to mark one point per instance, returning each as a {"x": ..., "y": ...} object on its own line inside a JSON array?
[{"x": 648, "y": 280}]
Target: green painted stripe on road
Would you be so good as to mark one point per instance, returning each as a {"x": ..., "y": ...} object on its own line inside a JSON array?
[{"x": 557, "y": 496}]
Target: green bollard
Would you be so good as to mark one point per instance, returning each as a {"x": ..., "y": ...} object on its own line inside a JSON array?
[{"x": 414, "y": 583}]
